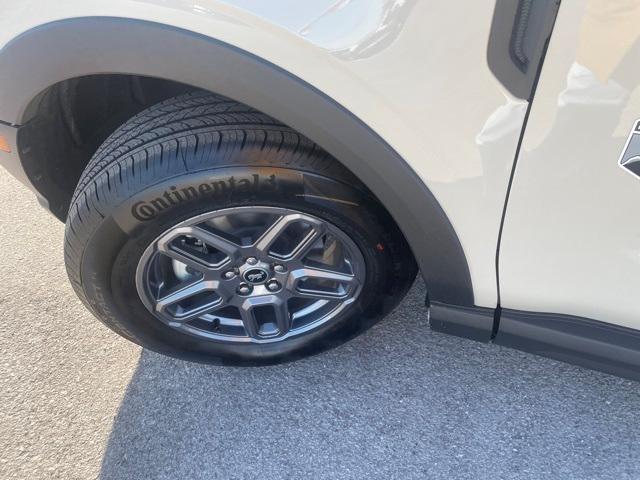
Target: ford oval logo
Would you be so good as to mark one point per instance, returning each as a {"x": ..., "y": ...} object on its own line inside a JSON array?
[{"x": 255, "y": 276}]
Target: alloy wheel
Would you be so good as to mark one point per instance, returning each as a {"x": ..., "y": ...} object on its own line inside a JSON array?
[{"x": 250, "y": 274}]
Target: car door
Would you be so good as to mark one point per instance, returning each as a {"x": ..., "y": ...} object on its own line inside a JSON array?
[{"x": 571, "y": 237}]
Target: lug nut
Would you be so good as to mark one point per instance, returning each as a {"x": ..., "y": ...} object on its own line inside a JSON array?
[
  {"x": 279, "y": 269},
  {"x": 273, "y": 286},
  {"x": 252, "y": 260},
  {"x": 229, "y": 274},
  {"x": 244, "y": 289}
]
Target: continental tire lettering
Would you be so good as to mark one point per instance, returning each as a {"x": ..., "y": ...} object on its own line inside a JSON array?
[
  {"x": 147, "y": 210},
  {"x": 143, "y": 212}
]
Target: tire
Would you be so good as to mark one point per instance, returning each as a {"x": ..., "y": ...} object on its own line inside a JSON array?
[{"x": 124, "y": 202}]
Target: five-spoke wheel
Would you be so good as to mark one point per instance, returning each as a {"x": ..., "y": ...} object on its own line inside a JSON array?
[{"x": 254, "y": 274}]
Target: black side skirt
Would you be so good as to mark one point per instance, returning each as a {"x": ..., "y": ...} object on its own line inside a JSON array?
[
  {"x": 475, "y": 323},
  {"x": 582, "y": 341}
]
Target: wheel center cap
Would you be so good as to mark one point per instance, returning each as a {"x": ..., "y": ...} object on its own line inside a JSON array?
[{"x": 255, "y": 276}]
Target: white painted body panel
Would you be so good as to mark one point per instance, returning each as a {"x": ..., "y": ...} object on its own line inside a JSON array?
[
  {"x": 571, "y": 241},
  {"x": 406, "y": 68}
]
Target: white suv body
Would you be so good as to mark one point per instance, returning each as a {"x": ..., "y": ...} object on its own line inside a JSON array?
[{"x": 492, "y": 132}]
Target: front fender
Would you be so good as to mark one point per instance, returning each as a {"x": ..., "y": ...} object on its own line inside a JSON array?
[{"x": 77, "y": 47}]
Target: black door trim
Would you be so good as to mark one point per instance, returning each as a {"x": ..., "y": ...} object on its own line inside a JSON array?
[{"x": 581, "y": 341}]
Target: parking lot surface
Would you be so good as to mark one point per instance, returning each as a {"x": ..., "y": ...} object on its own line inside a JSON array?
[{"x": 78, "y": 402}]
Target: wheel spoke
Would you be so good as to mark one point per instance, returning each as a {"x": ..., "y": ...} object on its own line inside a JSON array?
[
  {"x": 266, "y": 241},
  {"x": 265, "y": 316},
  {"x": 231, "y": 249},
  {"x": 306, "y": 243},
  {"x": 180, "y": 294},
  {"x": 283, "y": 318},
  {"x": 180, "y": 257},
  {"x": 337, "y": 285},
  {"x": 268, "y": 238},
  {"x": 248, "y": 320},
  {"x": 183, "y": 312}
]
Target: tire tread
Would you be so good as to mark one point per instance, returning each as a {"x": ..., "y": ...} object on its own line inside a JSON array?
[{"x": 210, "y": 126}]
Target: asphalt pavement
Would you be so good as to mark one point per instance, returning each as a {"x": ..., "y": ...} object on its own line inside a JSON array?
[{"x": 78, "y": 402}]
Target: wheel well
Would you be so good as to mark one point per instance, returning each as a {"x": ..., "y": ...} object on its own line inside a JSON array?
[
  {"x": 71, "y": 119},
  {"x": 52, "y": 51},
  {"x": 68, "y": 122}
]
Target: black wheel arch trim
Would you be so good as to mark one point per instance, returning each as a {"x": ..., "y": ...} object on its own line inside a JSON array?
[{"x": 77, "y": 47}]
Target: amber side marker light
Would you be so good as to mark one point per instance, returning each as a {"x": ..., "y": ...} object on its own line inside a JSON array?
[{"x": 4, "y": 145}]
